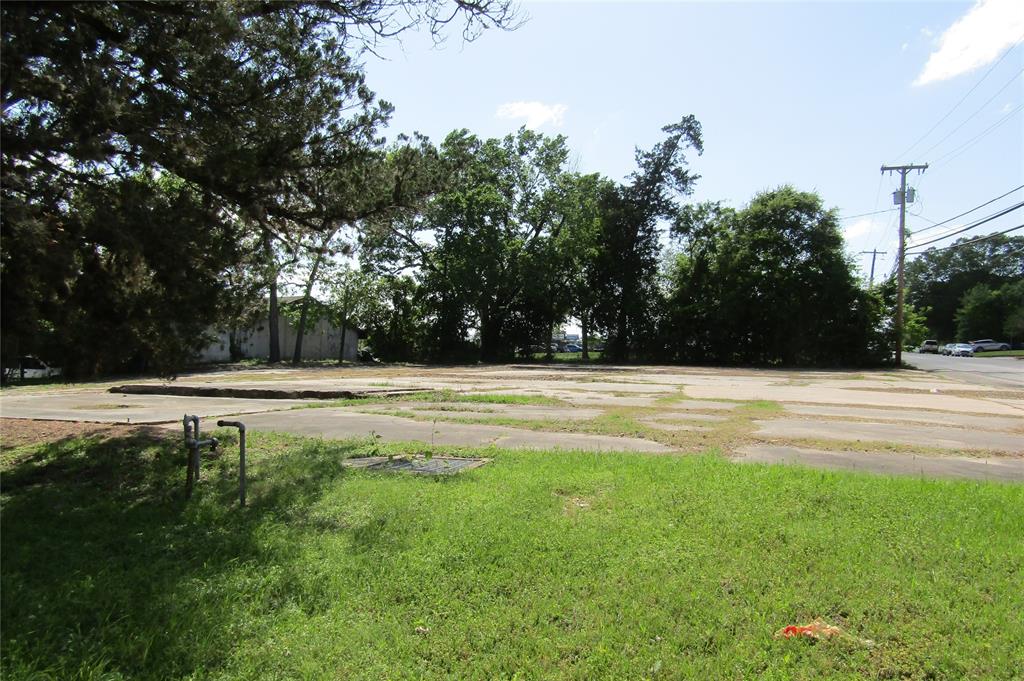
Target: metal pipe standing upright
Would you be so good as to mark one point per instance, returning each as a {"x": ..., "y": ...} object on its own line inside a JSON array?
[
  {"x": 194, "y": 444},
  {"x": 186, "y": 423},
  {"x": 241, "y": 455}
]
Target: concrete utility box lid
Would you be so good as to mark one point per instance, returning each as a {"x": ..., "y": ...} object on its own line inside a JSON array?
[{"x": 438, "y": 465}]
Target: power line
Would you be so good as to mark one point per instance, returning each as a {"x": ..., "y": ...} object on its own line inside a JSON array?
[
  {"x": 861, "y": 215},
  {"x": 971, "y": 117},
  {"x": 966, "y": 212},
  {"x": 956, "y": 229},
  {"x": 974, "y": 139},
  {"x": 973, "y": 241},
  {"x": 962, "y": 99},
  {"x": 948, "y": 233},
  {"x": 990, "y": 218},
  {"x": 892, "y": 217},
  {"x": 971, "y": 226}
]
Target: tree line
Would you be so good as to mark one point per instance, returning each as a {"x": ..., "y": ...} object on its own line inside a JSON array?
[
  {"x": 170, "y": 168},
  {"x": 970, "y": 289}
]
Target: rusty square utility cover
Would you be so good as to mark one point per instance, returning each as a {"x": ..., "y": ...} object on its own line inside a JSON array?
[{"x": 436, "y": 465}]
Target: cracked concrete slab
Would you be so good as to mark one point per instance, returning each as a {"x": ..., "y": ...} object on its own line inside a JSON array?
[
  {"x": 341, "y": 423},
  {"x": 141, "y": 409},
  {"x": 581, "y": 398},
  {"x": 673, "y": 427},
  {"x": 929, "y": 436},
  {"x": 850, "y": 397},
  {"x": 888, "y": 463},
  {"x": 946, "y": 413},
  {"x": 480, "y": 410},
  {"x": 701, "y": 404},
  {"x": 1006, "y": 423},
  {"x": 610, "y": 401},
  {"x": 689, "y": 416}
]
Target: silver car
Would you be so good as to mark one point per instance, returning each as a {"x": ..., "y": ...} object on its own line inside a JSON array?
[
  {"x": 963, "y": 350},
  {"x": 988, "y": 345}
]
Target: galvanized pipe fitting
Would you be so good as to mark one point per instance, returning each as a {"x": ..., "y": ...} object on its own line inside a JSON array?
[
  {"x": 194, "y": 444},
  {"x": 241, "y": 455}
]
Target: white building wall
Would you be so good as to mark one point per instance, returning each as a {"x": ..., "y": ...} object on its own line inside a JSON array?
[{"x": 319, "y": 342}]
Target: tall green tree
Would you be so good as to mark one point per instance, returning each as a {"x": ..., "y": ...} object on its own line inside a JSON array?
[
  {"x": 938, "y": 279},
  {"x": 1013, "y": 305},
  {"x": 980, "y": 313},
  {"x": 987, "y": 312},
  {"x": 244, "y": 100},
  {"x": 632, "y": 215},
  {"x": 579, "y": 250},
  {"x": 768, "y": 284},
  {"x": 137, "y": 268},
  {"x": 482, "y": 247},
  {"x": 396, "y": 331},
  {"x": 355, "y": 301}
]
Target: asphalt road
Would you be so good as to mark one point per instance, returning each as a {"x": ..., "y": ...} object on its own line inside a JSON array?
[{"x": 1002, "y": 372}]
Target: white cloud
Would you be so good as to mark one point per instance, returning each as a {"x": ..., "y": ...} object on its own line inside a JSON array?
[
  {"x": 857, "y": 228},
  {"x": 904, "y": 46},
  {"x": 975, "y": 39},
  {"x": 537, "y": 114}
]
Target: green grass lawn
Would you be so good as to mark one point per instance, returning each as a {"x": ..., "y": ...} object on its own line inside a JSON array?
[
  {"x": 1001, "y": 353},
  {"x": 539, "y": 565}
]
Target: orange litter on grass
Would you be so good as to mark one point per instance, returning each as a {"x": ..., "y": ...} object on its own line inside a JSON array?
[{"x": 818, "y": 629}]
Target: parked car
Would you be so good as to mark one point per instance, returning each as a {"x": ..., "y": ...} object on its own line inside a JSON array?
[
  {"x": 572, "y": 347},
  {"x": 988, "y": 345},
  {"x": 947, "y": 349},
  {"x": 963, "y": 350},
  {"x": 31, "y": 367},
  {"x": 929, "y": 346}
]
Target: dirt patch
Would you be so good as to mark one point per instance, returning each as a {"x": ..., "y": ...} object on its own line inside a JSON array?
[
  {"x": 573, "y": 502},
  {"x": 16, "y": 433}
]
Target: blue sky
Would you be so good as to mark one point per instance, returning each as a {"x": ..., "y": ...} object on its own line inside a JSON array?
[{"x": 818, "y": 95}]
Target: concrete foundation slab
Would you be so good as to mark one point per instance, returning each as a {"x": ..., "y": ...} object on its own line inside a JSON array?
[
  {"x": 689, "y": 416},
  {"x": 342, "y": 423},
  {"x": 852, "y": 397},
  {"x": 929, "y": 436},
  {"x": 711, "y": 405},
  {"x": 888, "y": 463},
  {"x": 659, "y": 425},
  {"x": 109, "y": 408},
  {"x": 1006, "y": 423},
  {"x": 480, "y": 411}
]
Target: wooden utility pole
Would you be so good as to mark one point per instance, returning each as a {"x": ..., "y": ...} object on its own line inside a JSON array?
[
  {"x": 902, "y": 170},
  {"x": 874, "y": 254}
]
